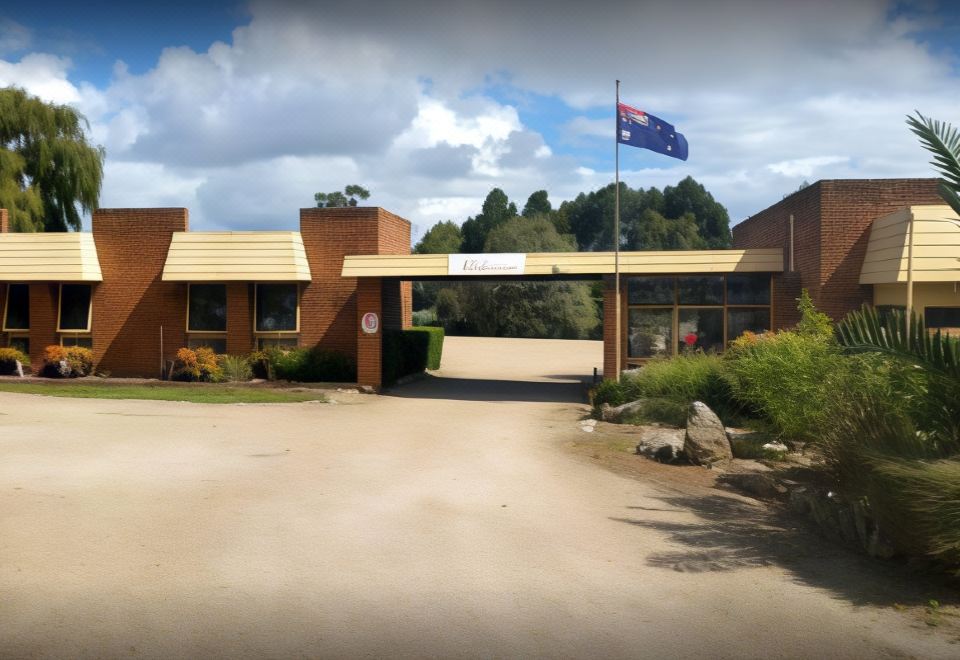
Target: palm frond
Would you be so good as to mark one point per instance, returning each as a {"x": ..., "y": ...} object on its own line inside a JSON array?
[{"x": 943, "y": 141}]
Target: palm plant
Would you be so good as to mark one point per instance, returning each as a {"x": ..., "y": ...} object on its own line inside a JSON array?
[{"x": 943, "y": 141}]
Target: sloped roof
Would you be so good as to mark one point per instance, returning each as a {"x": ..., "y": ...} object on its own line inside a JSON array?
[
  {"x": 936, "y": 246},
  {"x": 259, "y": 256},
  {"x": 49, "y": 257}
]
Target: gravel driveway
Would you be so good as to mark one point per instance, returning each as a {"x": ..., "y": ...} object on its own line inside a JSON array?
[{"x": 442, "y": 519}]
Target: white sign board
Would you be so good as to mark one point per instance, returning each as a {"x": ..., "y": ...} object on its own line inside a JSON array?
[
  {"x": 370, "y": 323},
  {"x": 486, "y": 264}
]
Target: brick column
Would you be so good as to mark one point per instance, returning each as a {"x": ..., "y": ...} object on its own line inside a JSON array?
[
  {"x": 369, "y": 346},
  {"x": 239, "y": 318},
  {"x": 610, "y": 329},
  {"x": 4, "y": 221},
  {"x": 44, "y": 298}
]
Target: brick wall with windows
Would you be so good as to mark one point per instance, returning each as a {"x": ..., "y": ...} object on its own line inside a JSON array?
[
  {"x": 832, "y": 221},
  {"x": 132, "y": 304}
]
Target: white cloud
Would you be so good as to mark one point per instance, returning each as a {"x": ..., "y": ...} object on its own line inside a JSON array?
[
  {"x": 42, "y": 75},
  {"x": 805, "y": 167}
]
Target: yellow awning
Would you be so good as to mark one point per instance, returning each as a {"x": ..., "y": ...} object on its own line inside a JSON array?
[
  {"x": 580, "y": 263},
  {"x": 49, "y": 257},
  {"x": 260, "y": 256},
  {"x": 936, "y": 246}
]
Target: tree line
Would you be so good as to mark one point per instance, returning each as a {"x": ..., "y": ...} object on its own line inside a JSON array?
[{"x": 681, "y": 217}]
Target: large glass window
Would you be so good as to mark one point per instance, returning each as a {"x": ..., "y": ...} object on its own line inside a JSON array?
[
  {"x": 21, "y": 343},
  {"x": 216, "y": 344},
  {"x": 941, "y": 317},
  {"x": 277, "y": 308},
  {"x": 747, "y": 320},
  {"x": 748, "y": 289},
  {"x": 700, "y": 329},
  {"x": 650, "y": 290},
  {"x": 650, "y": 333},
  {"x": 707, "y": 290},
  {"x": 207, "y": 309},
  {"x": 17, "y": 313},
  {"x": 74, "y": 308}
]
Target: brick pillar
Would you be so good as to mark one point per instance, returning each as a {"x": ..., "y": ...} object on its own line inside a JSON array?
[
  {"x": 239, "y": 318},
  {"x": 369, "y": 346},
  {"x": 132, "y": 303},
  {"x": 44, "y": 298},
  {"x": 406, "y": 303},
  {"x": 610, "y": 329},
  {"x": 4, "y": 221}
]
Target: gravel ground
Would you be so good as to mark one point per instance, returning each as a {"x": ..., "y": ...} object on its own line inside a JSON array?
[{"x": 440, "y": 519}]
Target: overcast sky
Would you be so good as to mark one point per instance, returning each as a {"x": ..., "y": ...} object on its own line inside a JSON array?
[{"x": 241, "y": 112}]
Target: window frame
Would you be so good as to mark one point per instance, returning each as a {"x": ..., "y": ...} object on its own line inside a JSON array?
[
  {"x": 74, "y": 331},
  {"x": 226, "y": 318},
  {"x": 256, "y": 299},
  {"x": 934, "y": 328},
  {"x": 6, "y": 305}
]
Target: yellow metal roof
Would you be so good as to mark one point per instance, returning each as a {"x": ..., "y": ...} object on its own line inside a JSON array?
[
  {"x": 580, "y": 263},
  {"x": 225, "y": 256},
  {"x": 49, "y": 257},
  {"x": 936, "y": 246}
]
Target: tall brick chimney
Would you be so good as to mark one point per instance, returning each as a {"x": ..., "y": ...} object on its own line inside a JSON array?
[{"x": 4, "y": 221}]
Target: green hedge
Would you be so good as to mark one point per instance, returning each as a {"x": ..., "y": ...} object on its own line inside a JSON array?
[
  {"x": 309, "y": 365},
  {"x": 410, "y": 351}
]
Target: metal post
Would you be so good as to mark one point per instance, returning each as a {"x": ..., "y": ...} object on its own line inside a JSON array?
[{"x": 616, "y": 228}]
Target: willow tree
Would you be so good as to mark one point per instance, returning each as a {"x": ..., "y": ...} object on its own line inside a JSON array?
[{"x": 49, "y": 173}]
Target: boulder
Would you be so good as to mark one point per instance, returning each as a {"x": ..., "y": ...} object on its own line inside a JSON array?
[
  {"x": 705, "y": 441},
  {"x": 615, "y": 414},
  {"x": 664, "y": 445},
  {"x": 762, "y": 485}
]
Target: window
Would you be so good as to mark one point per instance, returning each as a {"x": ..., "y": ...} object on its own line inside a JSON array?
[
  {"x": 748, "y": 289},
  {"x": 74, "y": 308},
  {"x": 941, "y": 317},
  {"x": 21, "y": 343},
  {"x": 277, "y": 308},
  {"x": 16, "y": 315},
  {"x": 649, "y": 333},
  {"x": 217, "y": 344},
  {"x": 747, "y": 320},
  {"x": 207, "y": 308},
  {"x": 700, "y": 290},
  {"x": 84, "y": 341},
  {"x": 700, "y": 329},
  {"x": 650, "y": 290}
]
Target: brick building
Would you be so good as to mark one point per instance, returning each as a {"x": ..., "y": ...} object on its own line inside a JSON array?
[{"x": 140, "y": 285}]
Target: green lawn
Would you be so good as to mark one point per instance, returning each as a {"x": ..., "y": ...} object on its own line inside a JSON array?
[{"x": 199, "y": 394}]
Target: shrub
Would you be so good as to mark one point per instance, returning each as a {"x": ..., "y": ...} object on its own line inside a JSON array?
[
  {"x": 197, "y": 365},
  {"x": 670, "y": 385},
  {"x": 434, "y": 344},
  {"x": 410, "y": 351},
  {"x": 67, "y": 362},
  {"x": 311, "y": 365},
  {"x": 425, "y": 317},
  {"x": 235, "y": 368},
  {"x": 8, "y": 361}
]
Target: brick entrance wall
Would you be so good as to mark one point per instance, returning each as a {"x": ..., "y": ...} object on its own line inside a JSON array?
[{"x": 832, "y": 221}]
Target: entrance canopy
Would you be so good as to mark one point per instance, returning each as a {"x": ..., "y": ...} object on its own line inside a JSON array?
[
  {"x": 936, "y": 246},
  {"x": 561, "y": 265}
]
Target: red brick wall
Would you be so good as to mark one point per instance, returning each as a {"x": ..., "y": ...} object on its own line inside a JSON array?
[
  {"x": 4, "y": 221},
  {"x": 832, "y": 220},
  {"x": 239, "y": 318},
  {"x": 329, "y": 307},
  {"x": 44, "y": 297},
  {"x": 132, "y": 304},
  {"x": 610, "y": 328}
]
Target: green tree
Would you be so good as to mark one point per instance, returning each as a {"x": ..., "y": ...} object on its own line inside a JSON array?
[
  {"x": 442, "y": 238},
  {"x": 537, "y": 204},
  {"x": 338, "y": 199},
  {"x": 712, "y": 218},
  {"x": 497, "y": 209},
  {"x": 448, "y": 307},
  {"x": 49, "y": 173},
  {"x": 651, "y": 231},
  {"x": 561, "y": 310}
]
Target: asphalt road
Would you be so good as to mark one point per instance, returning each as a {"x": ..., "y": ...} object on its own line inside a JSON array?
[{"x": 443, "y": 519}]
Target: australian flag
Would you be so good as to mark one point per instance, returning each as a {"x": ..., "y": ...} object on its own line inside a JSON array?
[{"x": 640, "y": 129}]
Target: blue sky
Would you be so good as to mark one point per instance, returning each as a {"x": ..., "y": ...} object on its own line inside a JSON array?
[{"x": 241, "y": 111}]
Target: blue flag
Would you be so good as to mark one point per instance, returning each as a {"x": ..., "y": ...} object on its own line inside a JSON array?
[{"x": 640, "y": 129}]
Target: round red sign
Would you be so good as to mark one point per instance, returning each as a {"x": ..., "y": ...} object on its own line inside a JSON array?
[{"x": 370, "y": 323}]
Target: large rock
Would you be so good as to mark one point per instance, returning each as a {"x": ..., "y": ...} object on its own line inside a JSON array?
[
  {"x": 706, "y": 440},
  {"x": 664, "y": 445}
]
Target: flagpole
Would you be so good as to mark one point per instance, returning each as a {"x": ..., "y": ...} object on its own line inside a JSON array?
[{"x": 616, "y": 230}]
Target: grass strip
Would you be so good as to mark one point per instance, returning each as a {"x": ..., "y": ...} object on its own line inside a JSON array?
[{"x": 205, "y": 394}]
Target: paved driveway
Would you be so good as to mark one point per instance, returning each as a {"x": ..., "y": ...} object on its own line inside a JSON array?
[{"x": 443, "y": 519}]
